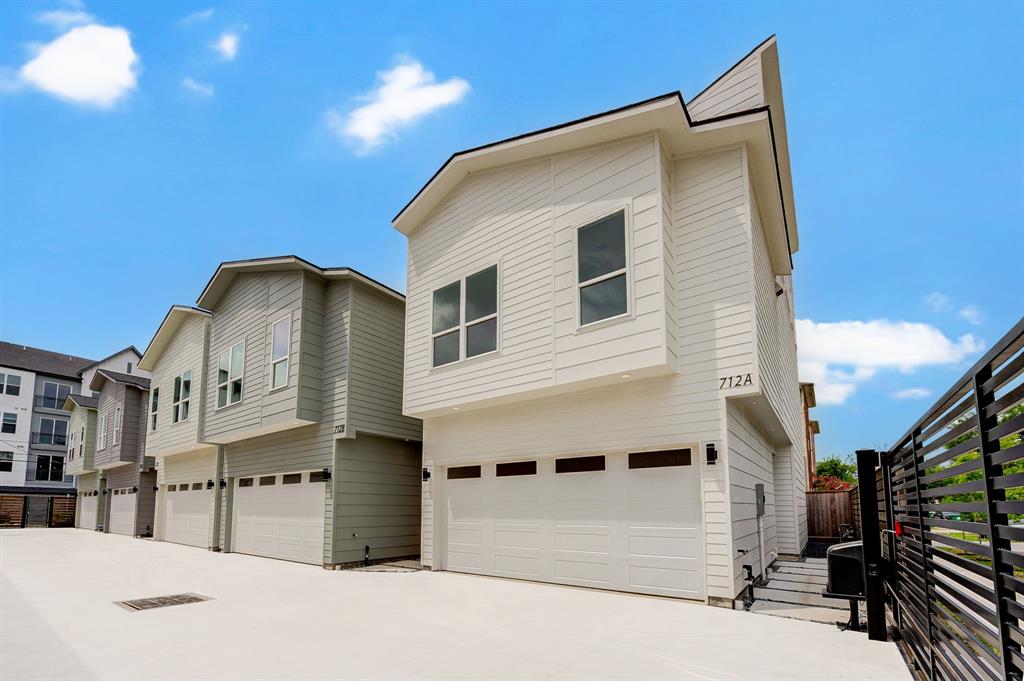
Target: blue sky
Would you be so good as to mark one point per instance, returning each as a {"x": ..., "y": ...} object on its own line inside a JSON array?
[{"x": 234, "y": 130}]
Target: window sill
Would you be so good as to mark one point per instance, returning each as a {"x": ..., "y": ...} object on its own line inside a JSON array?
[
  {"x": 604, "y": 323},
  {"x": 277, "y": 389},
  {"x": 475, "y": 359},
  {"x": 227, "y": 406}
]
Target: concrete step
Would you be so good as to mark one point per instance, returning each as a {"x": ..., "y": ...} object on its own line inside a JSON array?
[
  {"x": 799, "y": 568},
  {"x": 803, "y": 587},
  {"x": 808, "y": 613},
  {"x": 770, "y": 593},
  {"x": 793, "y": 577}
]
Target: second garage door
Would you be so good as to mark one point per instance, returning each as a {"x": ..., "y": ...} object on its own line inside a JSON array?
[
  {"x": 280, "y": 516},
  {"x": 122, "y": 511},
  {"x": 187, "y": 514},
  {"x": 628, "y": 522},
  {"x": 87, "y": 517}
]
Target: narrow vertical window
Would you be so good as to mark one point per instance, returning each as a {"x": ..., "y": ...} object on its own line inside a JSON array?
[
  {"x": 482, "y": 312},
  {"x": 10, "y": 422},
  {"x": 117, "y": 425},
  {"x": 181, "y": 397},
  {"x": 154, "y": 402},
  {"x": 445, "y": 324},
  {"x": 230, "y": 372},
  {"x": 601, "y": 269},
  {"x": 280, "y": 346},
  {"x": 101, "y": 439},
  {"x": 13, "y": 384}
]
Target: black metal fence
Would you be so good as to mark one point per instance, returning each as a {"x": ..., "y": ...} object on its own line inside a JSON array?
[{"x": 951, "y": 514}]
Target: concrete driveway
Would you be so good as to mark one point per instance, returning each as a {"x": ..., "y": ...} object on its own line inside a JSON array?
[{"x": 275, "y": 620}]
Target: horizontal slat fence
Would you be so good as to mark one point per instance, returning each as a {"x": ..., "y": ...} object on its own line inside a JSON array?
[{"x": 955, "y": 485}]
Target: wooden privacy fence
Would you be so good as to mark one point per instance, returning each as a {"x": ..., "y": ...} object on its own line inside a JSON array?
[
  {"x": 37, "y": 511},
  {"x": 826, "y": 511}
]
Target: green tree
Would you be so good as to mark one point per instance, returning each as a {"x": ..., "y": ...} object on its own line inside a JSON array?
[{"x": 837, "y": 467}]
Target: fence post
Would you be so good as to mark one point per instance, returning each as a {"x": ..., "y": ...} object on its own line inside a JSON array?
[
  {"x": 890, "y": 537},
  {"x": 986, "y": 446},
  {"x": 867, "y": 459}
]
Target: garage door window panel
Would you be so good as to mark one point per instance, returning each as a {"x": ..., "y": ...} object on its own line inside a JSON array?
[
  {"x": 515, "y": 468},
  {"x": 660, "y": 459},
  {"x": 463, "y": 472},
  {"x": 245, "y": 482},
  {"x": 267, "y": 480},
  {"x": 602, "y": 270},
  {"x": 291, "y": 479},
  {"x": 579, "y": 464}
]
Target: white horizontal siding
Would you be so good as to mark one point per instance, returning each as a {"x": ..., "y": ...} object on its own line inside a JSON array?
[
  {"x": 739, "y": 90},
  {"x": 751, "y": 461}
]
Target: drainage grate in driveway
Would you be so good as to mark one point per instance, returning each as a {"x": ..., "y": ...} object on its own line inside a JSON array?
[{"x": 161, "y": 601}]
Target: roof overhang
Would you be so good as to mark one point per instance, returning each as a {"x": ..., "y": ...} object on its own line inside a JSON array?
[
  {"x": 71, "y": 402},
  {"x": 227, "y": 271},
  {"x": 762, "y": 130},
  {"x": 165, "y": 332}
]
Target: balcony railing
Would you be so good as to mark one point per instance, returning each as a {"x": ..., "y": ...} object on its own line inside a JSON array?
[
  {"x": 54, "y": 439},
  {"x": 47, "y": 402}
]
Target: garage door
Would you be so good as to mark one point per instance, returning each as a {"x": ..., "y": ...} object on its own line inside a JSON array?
[
  {"x": 87, "y": 517},
  {"x": 122, "y": 511},
  {"x": 623, "y": 522},
  {"x": 187, "y": 513},
  {"x": 280, "y": 516}
]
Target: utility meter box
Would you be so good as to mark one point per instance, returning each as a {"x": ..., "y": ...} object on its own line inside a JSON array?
[{"x": 759, "y": 497}]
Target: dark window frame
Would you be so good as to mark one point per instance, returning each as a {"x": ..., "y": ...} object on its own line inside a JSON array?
[
  {"x": 464, "y": 472},
  {"x": 581, "y": 464}
]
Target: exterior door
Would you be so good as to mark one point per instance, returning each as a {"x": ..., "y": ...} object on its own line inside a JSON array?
[
  {"x": 187, "y": 514},
  {"x": 280, "y": 516},
  {"x": 122, "y": 511},
  {"x": 587, "y": 521}
]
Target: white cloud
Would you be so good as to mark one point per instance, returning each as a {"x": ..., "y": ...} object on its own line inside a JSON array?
[
  {"x": 71, "y": 13},
  {"x": 839, "y": 356},
  {"x": 227, "y": 45},
  {"x": 93, "y": 65},
  {"x": 938, "y": 302},
  {"x": 196, "y": 17},
  {"x": 197, "y": 88},
  {"x": 911, "y": 394},
  {"x": 402, "y": 96},
  {"x": 971, "y": 313}
]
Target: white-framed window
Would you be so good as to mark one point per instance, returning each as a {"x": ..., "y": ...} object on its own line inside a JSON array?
[
  {"x": 117, "y": 425},
  {"x": 10, "y": 384},
  {"x": 6, "y": 462},
  {"x": 154, "y": 403},
  {"x": 464, "y": 318},
  {"x": 181, "y": 397},
  {"x": 10, "y": 422},
  {"x": 54, "y": 395},
  {"x": 602, "y": 269},
  {"x": 101, "y": 437},
  {"x": 280, "y": 348},
  {"x": 230, "y": 372}
]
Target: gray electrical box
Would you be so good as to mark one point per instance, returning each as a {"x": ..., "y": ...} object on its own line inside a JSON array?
[{"x": 759, "y": 496}]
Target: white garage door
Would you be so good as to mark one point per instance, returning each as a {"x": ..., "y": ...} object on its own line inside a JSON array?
[
  {"x": 87, "y": 517},
  {"x": 122, "y": 511},
  {"x": 623, "y": 522},
  {"x": 280, "y": 516},
  {"x": 187, "y": 514}
]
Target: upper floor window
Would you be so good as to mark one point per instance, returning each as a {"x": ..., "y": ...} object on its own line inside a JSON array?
[
  {"x": 117, "y": 425},
  {"x": 54, "y": 395},
  {"x": 230, "y": 372},
  {"x": 601, "y": 270},
  {"x": 6, "y": 462},
  {"x": 52, "y": 432},
  {"x": 464, "y": 322},
  {"x": 154, "y": 401},
  {"x": 10, "y": 423},
  {"x": 280, "y": 346},
  {"x": 181, "y": 395},
  {"x": 10, "y": 384},
  {"x": 101, "y": 438},
  {"x": 50, "y": 468}
]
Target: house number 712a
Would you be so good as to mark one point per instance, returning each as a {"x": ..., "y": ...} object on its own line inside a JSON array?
[{"x": 734, "y": 381}]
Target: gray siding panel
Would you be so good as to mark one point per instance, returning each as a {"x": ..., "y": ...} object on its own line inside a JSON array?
[
  {"x": 187, "y": 351},
  {"x": 310, "y": 360},
  {"x": 378, "y": 498},
  {"x": 375, "y": 374}
]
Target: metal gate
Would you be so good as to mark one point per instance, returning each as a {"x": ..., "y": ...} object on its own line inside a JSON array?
[{"x": 947, "y": 543}]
